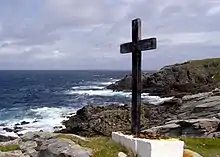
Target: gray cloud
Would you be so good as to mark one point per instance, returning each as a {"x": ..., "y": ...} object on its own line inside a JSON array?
[{"x": 70, "y": 34}]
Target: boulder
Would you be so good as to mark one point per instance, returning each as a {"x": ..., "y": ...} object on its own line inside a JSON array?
[
  {"x": 24, "y": 123},
  {"x": 28, "y": 145},
  {"x": 63, "y": 147}
]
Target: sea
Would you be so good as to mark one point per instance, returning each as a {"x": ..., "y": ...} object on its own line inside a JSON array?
[{"x": 44, "y": 99}]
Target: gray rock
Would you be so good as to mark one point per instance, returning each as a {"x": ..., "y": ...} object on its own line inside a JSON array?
[
  {"x": 214, "y": 135},
  {"x": 171, "y": 129},
  {"x": 198, "y": 96},
  {"x": 191, "y": 127},
  {"x": 65, "y": 147},
  {"x": 32, "y": 152},
  {"x": 27, "y": 145},
  {"x": 33, "y": 135},
  {"x": 24, "y": 123}
]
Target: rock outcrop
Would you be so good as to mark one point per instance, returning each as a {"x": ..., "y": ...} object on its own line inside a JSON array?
[
  {"x": 193, "y": 115},
  {"x": 177, "y": 80},
  {"x": 41, "y": 144}
]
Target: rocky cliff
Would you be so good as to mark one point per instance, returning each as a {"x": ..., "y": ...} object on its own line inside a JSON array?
[{"x": 177, "y": 80}]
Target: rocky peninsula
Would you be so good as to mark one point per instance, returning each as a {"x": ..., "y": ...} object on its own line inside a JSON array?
[{"x": 190, "y": 77}]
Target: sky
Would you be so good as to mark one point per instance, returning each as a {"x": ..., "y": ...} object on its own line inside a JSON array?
[{"x": 86, "y": 34}]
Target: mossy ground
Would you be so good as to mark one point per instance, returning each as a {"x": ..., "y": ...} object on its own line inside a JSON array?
[
  {"x": 9, "y": 148},
  {"x": 102, "y": 146},
  {"x": 206, "y": 147}
]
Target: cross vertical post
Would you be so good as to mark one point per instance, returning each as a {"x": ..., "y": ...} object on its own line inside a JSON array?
[
  {"x": 136, "y": 74},
  {"x": 136, "y": 46}
]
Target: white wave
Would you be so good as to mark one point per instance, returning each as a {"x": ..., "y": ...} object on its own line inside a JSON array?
[
  {"x": 103, "y": 83},
  {"x": 156, "y": 100},
  {"x": 108, "y": 82},
  {"x": 51, "y": 117},
  {"x": 86, "y": 87},
  {"x": 98, "y": 93},
  {"x": 7, "y": 134}
]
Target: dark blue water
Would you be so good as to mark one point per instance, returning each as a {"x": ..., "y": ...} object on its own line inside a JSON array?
[
  {"x": 47, "y": 95},
  {"x": 46, "y": 98}
]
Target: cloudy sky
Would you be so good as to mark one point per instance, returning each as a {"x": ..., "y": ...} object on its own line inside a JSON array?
[{"x": 86, "y": 34}]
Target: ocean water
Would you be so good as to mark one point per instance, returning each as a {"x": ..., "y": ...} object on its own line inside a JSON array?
[{"x": 46, "y": 98}]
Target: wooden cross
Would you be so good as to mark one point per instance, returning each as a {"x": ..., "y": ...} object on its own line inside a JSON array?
[{"x": 136, "y": 46}]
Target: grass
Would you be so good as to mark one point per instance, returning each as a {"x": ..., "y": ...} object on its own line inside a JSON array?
[
  {"x": 207, "y": 147},
  {"x": 9, "y": 148},
  {"x": 212, "y": 65},
  {"x": 102, "y": 146}
]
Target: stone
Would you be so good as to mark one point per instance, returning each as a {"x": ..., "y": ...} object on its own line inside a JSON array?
[
  {"x": 190, "y": 127},
  {"x": 8, "y": 129},
  {"x": 33, "y": 135},
  {"x": 27, "y": 145},
  {"x": 214, "y": 135},
  {"x": 24, "y": 123},
  {"x": 17, "y": 129},
  {"x": 32, "y": 152},
  {"x": 198, "y": 96},
  {"x": 171, "y": 129},
  {"x": 190, "y": 153},
  {"x": 121, "y": 154},
  {"x": 35, "y": 121},
  {"x": 65, "y": 147}
]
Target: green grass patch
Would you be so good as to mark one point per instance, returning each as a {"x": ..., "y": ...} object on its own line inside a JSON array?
[
  {"x": 207, "y": 147},
  {"x": 102, "y": 146},
  {"x": 9, "y": 148}
]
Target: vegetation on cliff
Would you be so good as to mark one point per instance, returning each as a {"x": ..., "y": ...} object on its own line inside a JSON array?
[{"x": 190, "y": 77}]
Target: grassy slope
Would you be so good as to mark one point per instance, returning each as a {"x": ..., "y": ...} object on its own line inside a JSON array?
[
  {"x": 211, "y": 64},
  {"x": 205, "y": 147},
  {"x": 9, "y": 148},
  {"x": 103, "y": 146}
]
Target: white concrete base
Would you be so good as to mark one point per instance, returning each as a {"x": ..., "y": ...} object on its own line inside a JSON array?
[{"x": 150, "y": 148}]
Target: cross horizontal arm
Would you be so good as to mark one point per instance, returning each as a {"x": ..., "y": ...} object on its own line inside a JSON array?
[{"x": 143, "y": 45}]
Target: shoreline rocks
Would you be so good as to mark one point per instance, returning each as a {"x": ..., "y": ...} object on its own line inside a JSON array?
[{"x": 193, "y": 115}]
